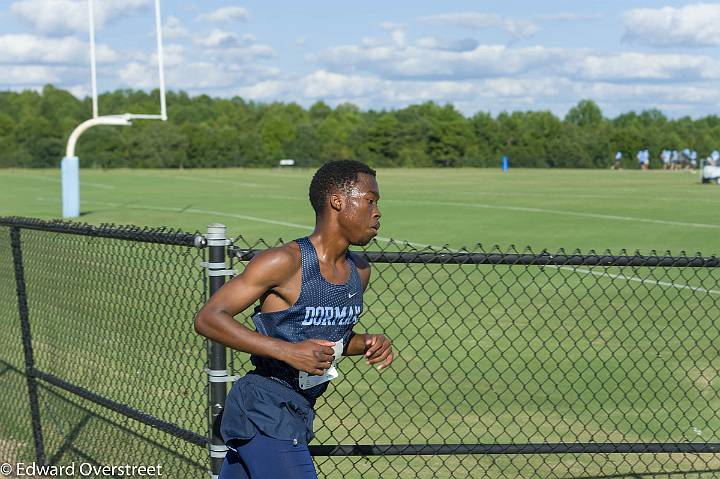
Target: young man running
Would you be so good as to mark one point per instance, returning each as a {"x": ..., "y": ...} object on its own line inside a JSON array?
[{"x": 310, "y": 297}]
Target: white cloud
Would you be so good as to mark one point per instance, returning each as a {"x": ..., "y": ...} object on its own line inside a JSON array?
[
  {"x": 569, "y": 17},
  {"x": 226, "y": 14},
  {"x": 643, "y": 96},
  {"x": 644, "y": 66},
  {"x": 371, "y": 42},
  {"x": 186, "y": 72},
  {"x": 480, "y": 21},
  {"x": 521, "y": 29},
  {"x": 190, "y": 76},
  {"x": 78, "y": 91},
  {"x": 522, "y": 87},
  {"x": 469, "y": 20},
  {"x": 323, "y": 84},
  {"x": 220, "y": 38},
  {"x": 507, "y": 93},
  {"x": 60, "y": 17},
  {"x": 462, "y": 45},
  {"x": 423, "y": 63},
  {"x": 689, "y": 25},
  {"x": 23, "y": 75},
  {"x": 266, "y": 90},
  {"x": 398, "y": 37},
  {"x": 432, "y": 58},
  {"x": 138, "y": 75},
  {"x": 222, "y": 46},
  {"x": 244, "y": 54},
  {"x": 27, "y": 49},
  {"x": 174, "y": 29},
  {"x": 369, "y": 90},
  {"x": 173, "y": 55},
  {"x": 390, "y": 26}
]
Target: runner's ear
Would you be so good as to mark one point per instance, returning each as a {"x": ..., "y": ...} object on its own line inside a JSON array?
[{"x": 336, "y": 201}]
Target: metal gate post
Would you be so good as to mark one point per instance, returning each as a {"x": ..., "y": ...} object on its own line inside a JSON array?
[
  {"x": 217, "y": 358},
  {"x": 27, "y": 344}
]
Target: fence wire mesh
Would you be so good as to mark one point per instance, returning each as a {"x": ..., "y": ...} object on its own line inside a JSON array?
[
  {"x": 569, "y": 356},
  {"x": 526, "y": 365},
  {"x": 16, "y": 438},
  {"x": 110, "y": 310}
]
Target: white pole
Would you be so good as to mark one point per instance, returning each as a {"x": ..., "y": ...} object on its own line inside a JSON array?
[
  {"x": 70, "y": 165},
  {"x": 158, "y": 28},
  {"x": 70, "y": 173},
  {"x": 93, "y": 73},
  {"x": 118, "y": 120}
]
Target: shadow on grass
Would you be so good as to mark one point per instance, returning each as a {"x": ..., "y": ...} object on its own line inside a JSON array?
[
  {"x": 648, "y": 475},
  {"x": 7, "y": 368},
  {"x": 69, "y": 439},
  {"x": 87, "y": 424},
  {"x": 73, "y": 430}
]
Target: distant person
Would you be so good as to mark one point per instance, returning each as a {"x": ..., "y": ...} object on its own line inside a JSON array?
[
  {"x": 665, "y": 158},
  {"x": 310, "y": 294},
  {"x": 693, "y": 160},
  {"x": 617, "y": 164},
  {"x": 685, "y": 158},
  {"x": 643, "y": 157},
  {"x": 674, "y": 160}
]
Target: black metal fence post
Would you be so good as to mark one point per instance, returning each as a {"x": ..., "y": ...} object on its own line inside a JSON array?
[
  {"x": 217, "y": 358},
  {"x": 27, "y": 344}
]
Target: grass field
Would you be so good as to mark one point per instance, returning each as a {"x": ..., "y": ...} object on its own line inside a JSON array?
[
  {"x": 487, "y": 354},
  {"x": 459, "y": 207}
]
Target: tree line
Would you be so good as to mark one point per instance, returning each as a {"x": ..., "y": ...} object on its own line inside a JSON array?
[{"x": 228, "y": 132}]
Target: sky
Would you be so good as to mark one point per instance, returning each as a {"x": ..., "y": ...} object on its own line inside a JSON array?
[{"x": 488, "y": 56}]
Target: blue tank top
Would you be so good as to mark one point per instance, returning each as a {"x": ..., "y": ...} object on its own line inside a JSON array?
[{"x": 322, "y": 311}]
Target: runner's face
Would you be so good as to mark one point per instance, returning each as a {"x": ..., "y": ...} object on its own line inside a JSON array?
[{"x": 360, "y": 216}]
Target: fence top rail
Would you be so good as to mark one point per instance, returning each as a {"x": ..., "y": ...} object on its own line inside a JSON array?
[
  {"x": 160, "y": 235},
  {"x": 517, "y": 259}
]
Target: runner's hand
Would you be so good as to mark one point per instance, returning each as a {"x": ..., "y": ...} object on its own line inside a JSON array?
[
  {"x": 313, "y": 356},
  {"x": 378, "y": 349}
]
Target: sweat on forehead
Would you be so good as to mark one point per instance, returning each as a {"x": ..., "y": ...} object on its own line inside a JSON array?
[{"x": 352, "y": 189}]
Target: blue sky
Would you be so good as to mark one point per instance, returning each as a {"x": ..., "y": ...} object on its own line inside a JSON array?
[{"x": 480, "y": 56}]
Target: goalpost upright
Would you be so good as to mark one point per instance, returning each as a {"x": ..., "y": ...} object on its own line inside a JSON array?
[{"x": 70, "y": 165}]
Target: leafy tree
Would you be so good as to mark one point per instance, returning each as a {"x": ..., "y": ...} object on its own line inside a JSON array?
[
  {"x": 585, "y": 114},
  {"x": 214, "y": 132}
]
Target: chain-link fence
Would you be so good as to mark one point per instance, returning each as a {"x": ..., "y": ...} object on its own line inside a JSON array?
[
  {"x": 509, "y": 364},
  {"x": 516, "y": 364},
  {"x": 98, "y": 360}
]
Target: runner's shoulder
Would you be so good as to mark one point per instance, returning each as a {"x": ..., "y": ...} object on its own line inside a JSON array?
[
  {"x": 279, "y": 263},
  {"x": 360, "y": 260},
  {"x": 363, "y": 267}
]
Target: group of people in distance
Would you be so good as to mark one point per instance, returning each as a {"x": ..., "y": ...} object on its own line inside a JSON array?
[
  {"x": 711, "y": 168},
  {"x": 679, "y": 160},
  {"x": 686, "y": 159}
]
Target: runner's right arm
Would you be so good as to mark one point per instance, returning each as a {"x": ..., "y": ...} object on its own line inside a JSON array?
[{"x": 270, "y": 271}]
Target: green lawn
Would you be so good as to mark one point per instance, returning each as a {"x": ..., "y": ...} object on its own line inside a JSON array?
[
  {"x": 459, "y": 207},
  {"x": 486, "y": 354}
]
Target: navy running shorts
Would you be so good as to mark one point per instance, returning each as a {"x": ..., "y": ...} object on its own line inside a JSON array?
[{"x": 264, "y": 457}]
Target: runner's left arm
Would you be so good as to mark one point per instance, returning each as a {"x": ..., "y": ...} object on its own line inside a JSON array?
[{"x": 377, "y": 348}]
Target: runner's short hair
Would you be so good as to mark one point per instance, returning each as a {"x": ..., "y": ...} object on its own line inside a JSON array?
[{"x": 332, "y": 176}]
